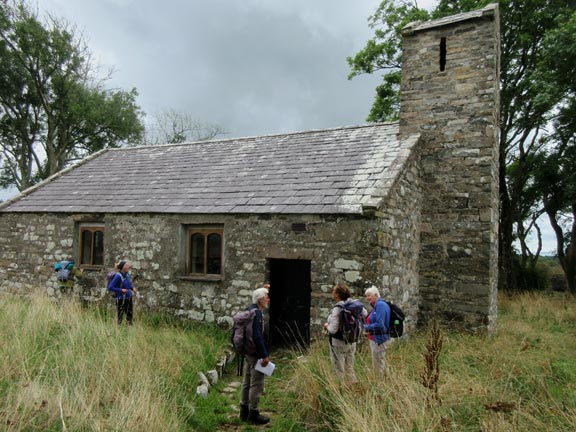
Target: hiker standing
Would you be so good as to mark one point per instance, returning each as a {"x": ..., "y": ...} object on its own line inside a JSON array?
[
  {"x": 377, "y": 329},
  {"x": 66, "y": 271},
  {"x": 121, "y": 285},
  {"x": 342, "y": 353},
  {"x": 253, "y": 384}
]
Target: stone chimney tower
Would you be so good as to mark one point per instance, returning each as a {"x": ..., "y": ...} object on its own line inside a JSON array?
[{"x": 450, "y": 96}]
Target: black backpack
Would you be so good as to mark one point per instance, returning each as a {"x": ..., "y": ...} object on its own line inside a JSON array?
[
  {"x": 396, "y": 323},
  {"x": 352, "y": 322}
]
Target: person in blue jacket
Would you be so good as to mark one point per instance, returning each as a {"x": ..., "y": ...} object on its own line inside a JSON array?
[
  {"x": 253, "y": 384},
  {"x": 121, "y": 285},
  {"x": 377, "y": 329}
]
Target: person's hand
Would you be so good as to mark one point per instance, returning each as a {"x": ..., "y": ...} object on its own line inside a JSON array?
[
  {"x": 123, "y": 290},
  {"x": 265, "y": 361}
]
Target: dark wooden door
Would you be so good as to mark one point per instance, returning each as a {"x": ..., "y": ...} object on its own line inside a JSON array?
[{"x": 289, "y": 303}]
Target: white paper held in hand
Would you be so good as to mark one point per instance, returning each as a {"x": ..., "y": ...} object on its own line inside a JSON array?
[{"x": 266, "y": 370}]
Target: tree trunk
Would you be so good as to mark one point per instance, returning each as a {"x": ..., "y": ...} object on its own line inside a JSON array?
[{"x": 506, "y": 277}]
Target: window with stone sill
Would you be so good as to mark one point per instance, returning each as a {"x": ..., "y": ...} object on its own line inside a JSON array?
[
  {"x": 91, "y": 246},
  {"x": 205, "y": 252}
]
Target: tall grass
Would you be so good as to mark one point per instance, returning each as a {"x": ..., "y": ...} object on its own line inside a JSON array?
[
  {"x": 522, "y": 378},
  {"x": 67, "y": 368},
  {"x": 64, "y": 368}
]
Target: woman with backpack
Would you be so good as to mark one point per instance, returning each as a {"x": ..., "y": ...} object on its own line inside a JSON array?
[
  {"x": 342, "y": 349},
  {"x": 121, "y": 286}
]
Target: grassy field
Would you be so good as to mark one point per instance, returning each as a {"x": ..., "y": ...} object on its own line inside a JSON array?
[
  {"x": 523, "y": 378},
  {"x": 73, "y": 369},
  {"x": 65, "y": 368}
]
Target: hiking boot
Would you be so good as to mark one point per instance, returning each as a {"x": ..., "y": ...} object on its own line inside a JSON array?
[
  {"x": 244, "y": 411},
  {"x": 256, "y": 418}
]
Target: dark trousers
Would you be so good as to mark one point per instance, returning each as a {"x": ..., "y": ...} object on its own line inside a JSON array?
[{"x": 125, "y": 307}]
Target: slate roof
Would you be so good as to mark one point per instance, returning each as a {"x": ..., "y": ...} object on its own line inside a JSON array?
[
  {"x": 416, "y": 26},
  {"x": 342, "y": 170}
]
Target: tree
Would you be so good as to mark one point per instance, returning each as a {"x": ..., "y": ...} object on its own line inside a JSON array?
[
  {"x": 171, "y": 127},
  {"x": 526, "y": 108},
  {"x": 555, "y": 177},
  {"x": 555, "y": 167},
  {"x": 383, "y": 53},
  {"x": 52, "y": 109}
]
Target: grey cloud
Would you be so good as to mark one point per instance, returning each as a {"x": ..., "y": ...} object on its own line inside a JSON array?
[{"x": 253, "y": 67}]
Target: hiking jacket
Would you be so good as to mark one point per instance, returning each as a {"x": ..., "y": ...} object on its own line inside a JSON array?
[
  {"x": 379, "y": 319},
  {"x": 119, "y": 281},
  {"x": 258, "y": 332}
]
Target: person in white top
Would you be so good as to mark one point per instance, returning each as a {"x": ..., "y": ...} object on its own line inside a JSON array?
[{"x": 342, "y": 354}]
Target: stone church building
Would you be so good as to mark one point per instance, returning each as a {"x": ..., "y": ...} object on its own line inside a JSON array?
[{"x": 410, "y": 207}]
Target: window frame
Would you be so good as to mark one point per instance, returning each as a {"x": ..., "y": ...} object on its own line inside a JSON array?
[
  {"x": 205, "y": 232},
  {"x": 93, "y": 228}
]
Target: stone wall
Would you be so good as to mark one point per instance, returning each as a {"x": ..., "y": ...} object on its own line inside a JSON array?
[
  {"x": 399, "y": 241},
  {"x": 456, "y": 112},
  {"x": 340, "y": 249}
]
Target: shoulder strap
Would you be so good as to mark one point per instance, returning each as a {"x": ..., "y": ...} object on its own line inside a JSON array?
[{"x": 121, "y": 279}]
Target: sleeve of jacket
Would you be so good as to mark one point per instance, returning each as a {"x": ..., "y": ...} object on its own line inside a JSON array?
[
  {"x": 334, "y": 320},
  {"x": 116, "y": 284},
  {"x": 378, "y": 319},
  {"x": 258, "y": 335}
]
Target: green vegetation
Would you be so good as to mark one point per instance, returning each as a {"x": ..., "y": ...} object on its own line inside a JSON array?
[
  {"x": 54, "y": 107},
  {"x": 523, "y": 378},
  {"x": 68, "y": 368}
]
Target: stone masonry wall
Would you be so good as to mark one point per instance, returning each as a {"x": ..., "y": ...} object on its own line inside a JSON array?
[
  {"x": 456, "y": 112},
  {"x": 399, "y": 241},
  {"x": 340, "y": 248}
]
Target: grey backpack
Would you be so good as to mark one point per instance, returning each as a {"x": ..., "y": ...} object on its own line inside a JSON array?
[{"x": 242, "y": 337}]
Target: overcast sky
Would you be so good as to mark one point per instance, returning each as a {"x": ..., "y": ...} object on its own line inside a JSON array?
[{"x": 250, "y": 66}]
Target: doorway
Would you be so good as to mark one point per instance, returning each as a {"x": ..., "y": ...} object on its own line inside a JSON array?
[{"x": 290, "y": 297}]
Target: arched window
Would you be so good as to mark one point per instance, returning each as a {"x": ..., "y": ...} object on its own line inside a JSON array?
[
  {"x": 92, "y": 246},
  {"x": 205, "y": 252}
]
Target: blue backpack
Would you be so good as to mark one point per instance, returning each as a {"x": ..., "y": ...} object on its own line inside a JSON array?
[{"x": 63, "y": 270}]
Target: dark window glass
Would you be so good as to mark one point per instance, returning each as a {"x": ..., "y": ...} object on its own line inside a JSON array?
[
  {"x": 214, "y": 254},
  {"x": 86, "y": 240},
  {"x": 197, "y": 247},
  {"x": 98, "y": 248}
]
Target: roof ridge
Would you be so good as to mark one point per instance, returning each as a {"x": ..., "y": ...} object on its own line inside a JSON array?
[{"x": 253, "y": 137}]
